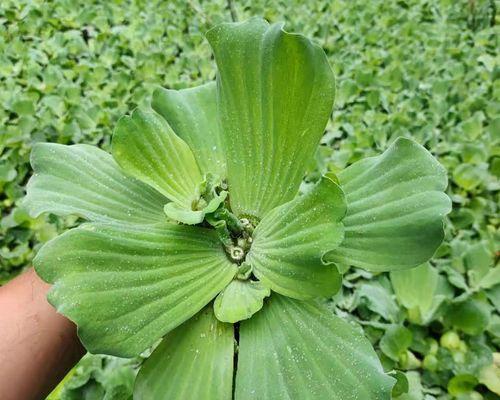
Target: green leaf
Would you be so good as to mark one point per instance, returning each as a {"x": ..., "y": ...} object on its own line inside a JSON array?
[
  {"x": 98, "y": 377},
  {"x": 193, "y": 217},
  {"x": 395, "y": 341},
  {"x": 23, "y": 107},
  {"x": 126, "y": 286},
  {"x": 494, "y": 296},
  {"x": 478, "y": 259},
  {"x": 379, "y": 299},
  {"x": 402, "y": 385},
  {"x": 194, "y": 361},
  {"x": 492, "y": 278},
  {"x": 192, "y": 114},
  {"x": 85, "y": 181},
  {"x": 469, "y": 176},
  {"x": 470, "y": 316},
  {"x": 146, "y": 147},
  {"x": 7, "y": 173},
  {"x": 275, "y": 95},
  {"x": 290, "y": 241},
  {"x": 462, "y": 384},
  {"x": 300, "y": 350},
  {"x": 415, "y": 389},
  {"x": 490, "y": 375},
  {"x": 395, "y": 209},
  {"x": 416, "y": 289},
  {"x": 240, "y": 300}
]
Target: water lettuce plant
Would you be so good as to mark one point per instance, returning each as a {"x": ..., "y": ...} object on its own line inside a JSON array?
[{"x": 199, "y": 244}]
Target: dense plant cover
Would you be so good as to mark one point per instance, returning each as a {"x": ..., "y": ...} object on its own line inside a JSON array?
[{"x": 461, "y": 81}]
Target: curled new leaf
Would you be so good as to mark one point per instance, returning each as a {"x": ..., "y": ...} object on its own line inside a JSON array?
[{"x": 240, "y": 300}]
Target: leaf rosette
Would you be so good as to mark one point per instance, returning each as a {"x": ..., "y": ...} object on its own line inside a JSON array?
[{"x": 197, "y": 233}]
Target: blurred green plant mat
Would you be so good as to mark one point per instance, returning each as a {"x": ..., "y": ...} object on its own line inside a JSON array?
[{"x": 428, "y": 70}]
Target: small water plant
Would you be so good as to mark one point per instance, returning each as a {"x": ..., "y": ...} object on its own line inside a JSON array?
[{"x": 198, "y": 244}]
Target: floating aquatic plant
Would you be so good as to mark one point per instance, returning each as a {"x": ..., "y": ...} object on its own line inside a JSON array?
[{"x": 198, "y": 238}]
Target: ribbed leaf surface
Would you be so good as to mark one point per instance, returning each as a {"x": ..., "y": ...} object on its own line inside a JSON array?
[
  {"x": 126, "y": 286},
  {"x": 276, "y": 93},
  {"x": 395, "y": 209},
  {"x": 420, "y": 290},
  {"x": 415, "y": 288},
  {"x": 194, "y": 361},
  {"x": 290, "y": 241},
  {"x": 299, "y": 350},
  {"x": 146, "y": 147},
  {"x": 192, "y": 114},
  {"x": 85, "y": 181}
]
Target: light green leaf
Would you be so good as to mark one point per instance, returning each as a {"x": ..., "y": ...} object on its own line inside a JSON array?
[
  {"x": 240, "y": 300},
  {"x": 462, "y": 384},
  {"x": 478, "y": 259},
  {"x": 192, "y": 114},
  {"x": 275, "y": 95},
  {"x": 146, "y": 147},
  {"x": 194, "y": 361},
  {"x": 416, "y": 289},
  {"x": 193, "y": 217},
  {"x": 490, "y": 375},
  {"x": 85, "y": 181},
  {"x": 395, "y": 209},
  {"x": 396, "y": 341},
  {"x": 126, "y": 286},
  {"x": 415, "y": 389},
  {"x": 290, "y": 241},
  {"x": 494, "y": 296},
  {"x": 492, "y": 278},
  {"x": 379, "y": 299},
  {"x": 7, "y": 173},
  {"x": 301, "y": 350}
]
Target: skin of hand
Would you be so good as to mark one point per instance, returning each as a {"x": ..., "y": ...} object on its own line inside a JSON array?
[{"x": 38, "y": 346}]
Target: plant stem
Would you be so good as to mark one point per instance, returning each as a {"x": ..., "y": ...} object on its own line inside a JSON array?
[
  {"x": 232, "y": 10},
  {"x": 233, "y": 223}
]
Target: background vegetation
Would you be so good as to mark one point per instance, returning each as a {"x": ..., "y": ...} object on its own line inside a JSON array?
[{"x": 425, "y": 69}]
